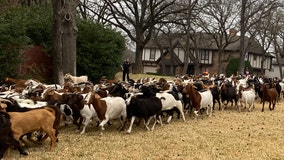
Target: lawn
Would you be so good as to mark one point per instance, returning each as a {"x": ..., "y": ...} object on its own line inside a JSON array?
[{"x": 227, "y": 135}]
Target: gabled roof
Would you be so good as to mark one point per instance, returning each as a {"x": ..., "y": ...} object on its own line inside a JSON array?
[
  {"x": 168, "y": 60},
  {"x": 204, "y": 41}
]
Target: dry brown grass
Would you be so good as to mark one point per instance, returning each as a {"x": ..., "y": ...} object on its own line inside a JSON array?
[{"x": 224, "y": 136}]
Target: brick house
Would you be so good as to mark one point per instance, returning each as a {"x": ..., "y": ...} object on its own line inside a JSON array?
[{"x": 207, "y": 51}]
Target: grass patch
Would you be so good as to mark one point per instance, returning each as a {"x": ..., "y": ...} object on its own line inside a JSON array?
[
  {"x": 139, "y": 76},
  {"x": 226, "y": 135}
]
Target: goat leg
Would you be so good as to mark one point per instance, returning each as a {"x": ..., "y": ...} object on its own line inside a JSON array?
[
  {"x": 147, "y": 122},
  {"x": 22, "y": 151},
  {"x": 262, "y": 107}
]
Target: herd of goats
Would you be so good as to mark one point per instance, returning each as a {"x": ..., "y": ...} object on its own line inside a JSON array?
[{"x": 28, "y": 106}]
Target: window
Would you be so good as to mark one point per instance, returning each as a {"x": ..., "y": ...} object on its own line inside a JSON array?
[
  {"x": 204, "y": 56},
  {"x": 152, "y": 54}
]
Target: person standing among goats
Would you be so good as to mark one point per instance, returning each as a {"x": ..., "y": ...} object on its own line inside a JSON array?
[
  {"x": 125, "y": 69},
  {"x": 247, "y": 72}
]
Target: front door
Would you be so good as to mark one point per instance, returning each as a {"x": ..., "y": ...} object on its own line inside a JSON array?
[{"x": 190, "y": 70}]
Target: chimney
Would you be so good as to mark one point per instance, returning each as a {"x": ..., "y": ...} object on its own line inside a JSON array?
[{"x": 233, "y": 32}]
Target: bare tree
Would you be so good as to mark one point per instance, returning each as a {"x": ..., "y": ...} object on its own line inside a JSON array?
[
  {"x": 262, "y": 34},
  {"x": 218, "y": 20},
  {"x": 137, "y": 19},
  {"x": 163, "y": 34},
  {"x": 277, "y": 33},
  {"x": 252, "y": 12},
  {"x": 187, "y": 23},
  {"x": 83, "y": 10},
  {"x": 65, "y": 34},
  {"x": 181, "y": 29},
  {"x": 95, "y": 10}
]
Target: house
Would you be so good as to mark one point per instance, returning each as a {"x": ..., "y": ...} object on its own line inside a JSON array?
[
  {"x": 171, "y": 47},
  {"x": 275, "y": 69}
]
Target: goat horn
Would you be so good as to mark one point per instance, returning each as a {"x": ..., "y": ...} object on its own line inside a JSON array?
[
  {"x": 5, "y": 100},
  {"x": 35, "y": 90}
]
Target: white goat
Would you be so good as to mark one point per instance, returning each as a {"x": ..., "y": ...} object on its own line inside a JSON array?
[
  {"x": 169, "y": 103},
  {"x": 87, "y": 113},
  {"x": 104, "y": 109},
  {"x": 282, "y": 88},
  {"x": 206, "y": 102},
  {"x": 31, "y": 82},
  {"x": 247, "y": 96},
  {"x": 69, "y": 78}
]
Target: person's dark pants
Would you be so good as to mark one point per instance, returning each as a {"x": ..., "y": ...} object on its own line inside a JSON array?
[{"x": 125, "y": 73}]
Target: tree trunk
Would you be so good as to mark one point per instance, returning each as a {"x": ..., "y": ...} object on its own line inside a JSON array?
[
  {"x": 242, "y": 38},
  {"x": 65, "y": 34},
  {"x": 278, "y": 57},
  {"x": 280, "y": 70},
  {"x": 220, "y": 67},
  {"x": 163, "y": 66},
  {"x": 262, "y": 71},
  {"x": 197, "y": 69},
  {"x": 186, "y": 61},
  {"x": 138, "y": 68}
]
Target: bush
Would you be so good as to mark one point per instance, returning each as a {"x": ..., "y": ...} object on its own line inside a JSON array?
[
  {"x": 13, "y": 40},
  {"x": 99, "y": 50},
  {"x": 233, "y": 66},
  {"x": 21, "y": 27}
]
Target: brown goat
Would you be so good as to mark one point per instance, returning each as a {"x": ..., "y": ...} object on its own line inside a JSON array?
[
  {"x": 51, "y": 95},
  {"x": 76, "y": 103},
  {"x": 34, "y": 120},
  {"x": 270, "y": 95},
  {"x": 17, "y": 82},
  {"x": 70, "y": 87},
  {"x": 194, "y": 96},
  {"x": 162, "y": 81}
]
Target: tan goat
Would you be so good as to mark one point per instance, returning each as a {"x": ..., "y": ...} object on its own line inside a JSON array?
[{"x": 34, "y": 120}]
